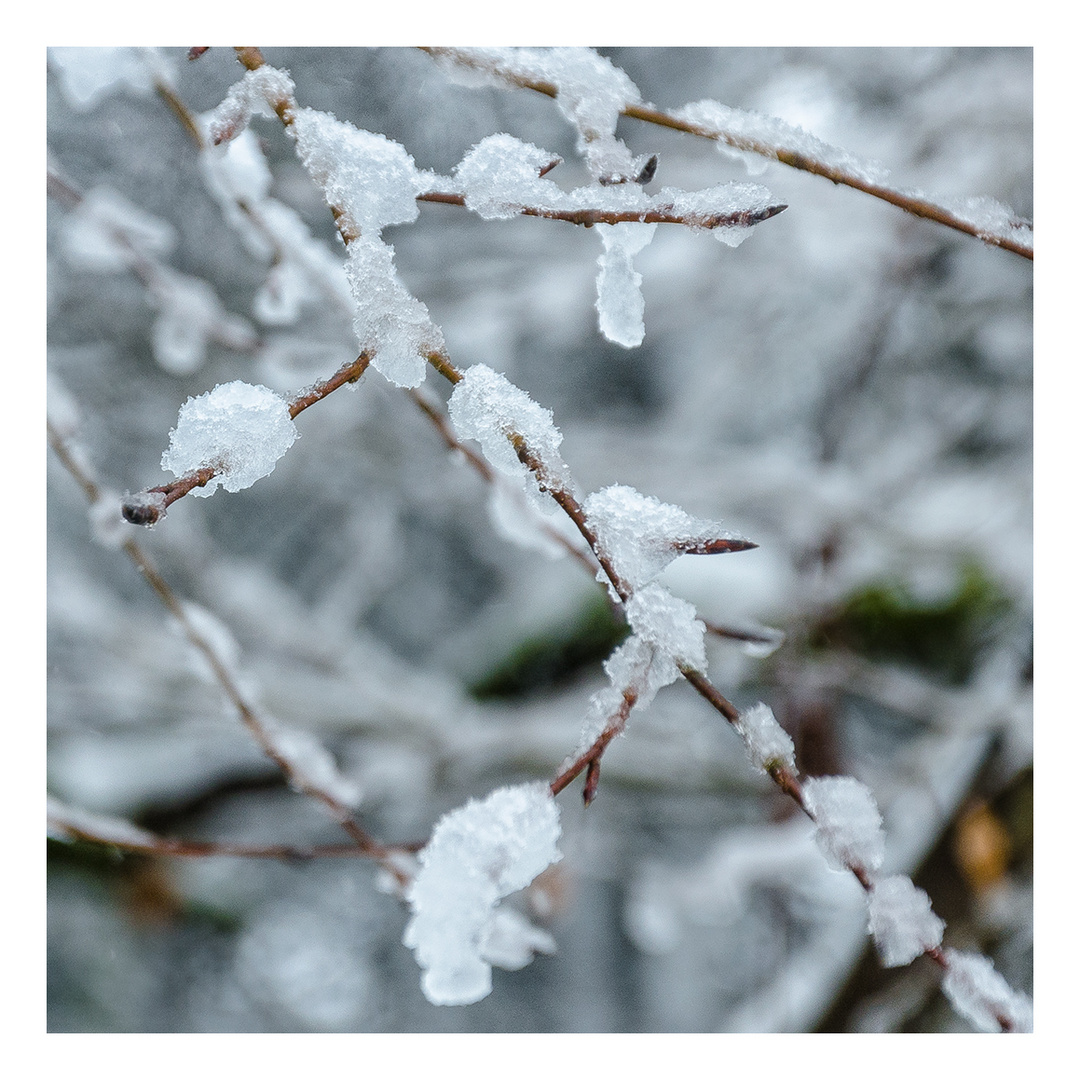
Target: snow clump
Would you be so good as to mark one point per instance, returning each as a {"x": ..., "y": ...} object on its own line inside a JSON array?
[
  {"x": 767, "y": 743},
  {"x": 640, "y": 535},
  {"x": 848, "y": 822},
  {"x": 487, "y": 407},
  {"x": 239, "y": 429},
  {"x": 618, "y": 285},
  {"x": 901, "y": 922},
  {"x": 478, "y": 854},
  {"x": 981, "y": 994}
]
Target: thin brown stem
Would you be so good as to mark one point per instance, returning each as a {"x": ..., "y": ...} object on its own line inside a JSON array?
[
  {"x": 341, "y": 813},
  {"x": 660, "y": 215},
  {"x": 347, "y": 373},
  {"x": 912, "y": 203},
  {"x": 590, "y": 758}
]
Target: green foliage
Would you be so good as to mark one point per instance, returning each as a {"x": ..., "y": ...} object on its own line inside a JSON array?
[
  {"x": 884, "y": 621},
  {"x": 546, "y": 660}
]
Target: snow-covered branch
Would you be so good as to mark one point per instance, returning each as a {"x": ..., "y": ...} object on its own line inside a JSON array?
[{"x": 463, "y": 888}]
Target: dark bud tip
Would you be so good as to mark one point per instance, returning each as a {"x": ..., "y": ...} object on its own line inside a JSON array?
[
  {"x": 196, "y": 51},
  {"x": 143, "y": 508},
  {"x": 592, "y": 782},
  {"x": 712, "y": 547},
  {"x": 648, "y": 171}
]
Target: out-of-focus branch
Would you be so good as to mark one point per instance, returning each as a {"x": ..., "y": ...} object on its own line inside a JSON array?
[
  {"x": 70, "y": 823},
  {"x": 247, "y": 712}
]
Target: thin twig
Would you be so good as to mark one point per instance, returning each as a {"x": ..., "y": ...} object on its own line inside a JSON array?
[
  {"x": 913, "y": 203},
  {"x": 659, "y": 215},
  {"x": 250, "y": 718}
]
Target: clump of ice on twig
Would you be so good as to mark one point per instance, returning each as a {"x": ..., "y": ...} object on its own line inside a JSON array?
[
  {"x": 591, "y": 92},
  {"x": 501, "y": 175},
  {"x": 848, "y": 822},
  {"x": 902, "y": 923},
  {"x": 980, "y": 993},
  {"x": 477, "y": 855},
  {"x": 667, "y": 636},
  {"x": 239, "y": 429},
  {"x": 258, "y": 93},
  {"x": 640, "y": 535},
  {"x": 390, "y": 323},
  {"x": 487, "y": 407},
  {"x": 371, "y": 182},
  {"x": 618, "y": 285},
  {"x": 373, "y": 179},
  {"x": 767, "y": 743},
  {"x": 669, "y": 625}
]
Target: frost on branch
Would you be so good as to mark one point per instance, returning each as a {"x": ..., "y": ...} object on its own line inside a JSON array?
[
  {"x": 768, "y": 135},
  {"x": 641, "y": 535},
  {"x": 477, "y": 855},
  {"x": 500, "y": 176},
  {"x": 311, "y": 766},
  {"x": 901, "y": 921},
  {"x": 667, "y": 635},
  {"x": 108, "y": 234},
  {"x": 258, "y": 93},
  {"x": 70, "y": 823},
  {"x": 371, "y": 181},
  {"x": 369, "y": 177},
  {"x": 239, "y": 429},
  {"x": 591, "y": 93},
  {"x": 390, "y": 323},
  {"x": 487, "y": 407},
  {"x": 192, "y": 316},
  {"x": 848, "y": 822},
  {"x": 980, "y": 993},
  {"x": 767, "y": 743},
  {"x": 618, "y": 285}
]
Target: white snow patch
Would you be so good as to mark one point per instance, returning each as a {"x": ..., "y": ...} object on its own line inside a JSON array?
[
  {"x": 238, "y": 428},
  {"x": 767, "y": 742},
  {"x": 901, "y": 922},
  {"x": 487, "y": 407},
  {"x": 848, "y": 822},
  {"x": 477, "y": 855},
  {"x": 980, "y": 993}
]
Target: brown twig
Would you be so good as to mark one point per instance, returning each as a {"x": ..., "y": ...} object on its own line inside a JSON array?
[
  {"x": 915, "y": 204},
  {"x": 659, "y": 215},
  {"x": 589, "y": 760},
  {"x": 250, "y": 718}
]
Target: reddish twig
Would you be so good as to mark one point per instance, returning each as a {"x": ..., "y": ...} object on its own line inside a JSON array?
[
  {"x": 660, "y": 215},
  {"x": 917, "y": 205},
  {"x": 341, "y": 813}
]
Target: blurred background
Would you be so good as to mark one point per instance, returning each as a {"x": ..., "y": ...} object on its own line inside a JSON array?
[{"x": 851, "y": 388}]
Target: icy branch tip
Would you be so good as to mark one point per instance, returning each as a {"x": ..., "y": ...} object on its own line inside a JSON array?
[
  {"x": 144, "y": 507},
  {"x": 239, "y": 429}
]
